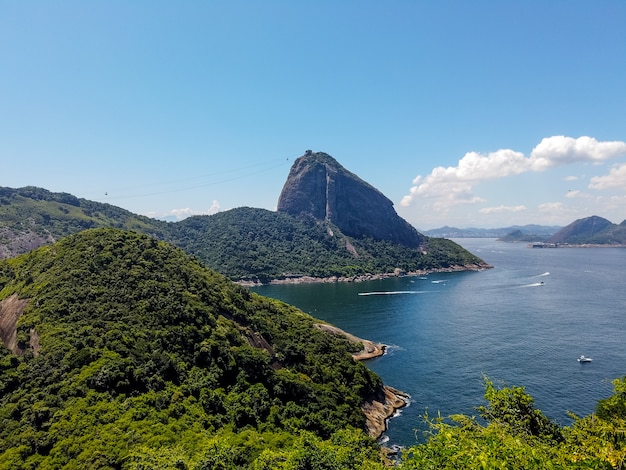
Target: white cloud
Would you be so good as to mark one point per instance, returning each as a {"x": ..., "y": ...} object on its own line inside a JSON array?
[
  {"x": 454, "y": 185},
  {"x": 615, "y": 179},
  {"x": 556, "y": 213},
  {"x": 561, "y": 150},
  {"x": 456, "y": 182},
  {"x": 500, "y": 209},
  {"x": 575, "y": 194},
  {"x": 551, "y": 207},
  {"x": 180, "y": 214}
]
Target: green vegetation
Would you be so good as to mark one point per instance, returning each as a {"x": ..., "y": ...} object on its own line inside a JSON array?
[
  {"x": 243, "y": 243},
  {"x": 143, "y": 352},
  {"x": 259, "y": 245},
  {"x": 132, "y": 355},
  {"x": 45, "y": 213},
  {"x": 518, "y": 436}
]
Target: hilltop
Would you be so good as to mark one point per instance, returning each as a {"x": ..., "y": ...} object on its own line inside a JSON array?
[
  {"x": 319, "y": 187},
  {"x": 31, "y": 217},
  {"x": 592, "y": 230},
  {"x": 120, "y": 348}
]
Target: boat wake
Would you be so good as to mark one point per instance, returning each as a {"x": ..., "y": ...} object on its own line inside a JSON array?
[
  {"x": 393, "y": 292},
  {"x": 537, "y": 284}
]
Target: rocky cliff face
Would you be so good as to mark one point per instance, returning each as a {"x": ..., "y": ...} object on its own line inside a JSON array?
[{"x": 320, "y": 187}]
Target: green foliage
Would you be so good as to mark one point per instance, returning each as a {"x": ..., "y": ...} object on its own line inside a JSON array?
[
  {"x": 514, "y": 408},
  {"x": 345, "y": 450},
  {"x": 518, "y": 436},
  {"x": 243, "y": 243},
  {"x": 141, "y": 348},
  {"x": 260, "y": 245},
  {"x": 614, "y": 407},
  {"x": 32, "y": 212},
  {"x": 147, "y": 360}
]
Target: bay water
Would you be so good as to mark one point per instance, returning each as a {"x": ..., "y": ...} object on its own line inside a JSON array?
[{"x": 522, "y": 323}]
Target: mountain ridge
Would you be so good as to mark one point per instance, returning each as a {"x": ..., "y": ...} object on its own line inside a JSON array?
[
  {"x": 540, "y": 231},
  {"x": 593, "y": 230},
  {"x": 320, "y": 187},
  {"x": 257, "y": 245}
]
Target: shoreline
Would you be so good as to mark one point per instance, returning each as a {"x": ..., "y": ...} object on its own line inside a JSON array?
[
  {"x": 382, "y": 406},
  {"x": 379, "y": 409},
  {"x": 370, "y": 348},
  {"x": 364, "y": 277}
]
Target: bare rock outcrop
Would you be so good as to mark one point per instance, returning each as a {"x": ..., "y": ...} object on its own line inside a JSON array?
[
  {"x": 370, "y": 348},
  {"x": 319, "y": 187},
  {"x": 13, "y": 243},
  {"x": 11, "y": 309},
  {"x": 382, "y": 406}
]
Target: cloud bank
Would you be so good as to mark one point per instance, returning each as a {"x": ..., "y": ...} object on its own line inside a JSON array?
[
  {"x": 180, "y": 214},
  {"x": 615, "y": 179},
  {"x": 455, "y": 185}
]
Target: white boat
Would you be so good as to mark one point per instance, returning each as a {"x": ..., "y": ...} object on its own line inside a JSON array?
[{"x": 584, "y": 359}]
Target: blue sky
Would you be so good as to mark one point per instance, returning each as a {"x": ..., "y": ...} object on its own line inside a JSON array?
[{"x": 468, "y": 114}]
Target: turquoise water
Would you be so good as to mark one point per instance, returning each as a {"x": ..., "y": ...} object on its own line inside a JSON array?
[{"x": 522, "y": 323}]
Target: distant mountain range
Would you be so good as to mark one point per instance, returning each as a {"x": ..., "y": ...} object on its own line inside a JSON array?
[
  {"x": 539, "y": 232},
  {"x": 592, "y": 230}
]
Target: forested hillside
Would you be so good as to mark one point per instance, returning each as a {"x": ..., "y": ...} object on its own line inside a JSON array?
[
  {"x": 127, "y": 351},
  {"x": 31, "y": 217},
  {"x": 516, "y": 435},
  {"x": 260, "y": 245},
  {"x": 243, "y": 244}
]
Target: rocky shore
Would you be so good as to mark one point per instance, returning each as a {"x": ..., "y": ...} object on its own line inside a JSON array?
[
  {"x": 366, "y": 277},
  {"x": 370, "y": 349},
  {"x": 382, "y": 406}
]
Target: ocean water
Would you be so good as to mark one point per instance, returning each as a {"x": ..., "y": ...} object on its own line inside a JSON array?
[{"x": 522, "y": 323}]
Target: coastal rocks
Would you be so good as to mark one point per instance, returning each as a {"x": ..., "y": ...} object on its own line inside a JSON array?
[
  {"x": 319, "y": 187},
  {"x": 370, "y": 349},
  {"x": 382, "y": 406},
  {"x": 367, "y": 277}
]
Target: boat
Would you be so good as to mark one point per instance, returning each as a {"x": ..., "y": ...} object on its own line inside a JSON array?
[{"x": 584, "y": 359}]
